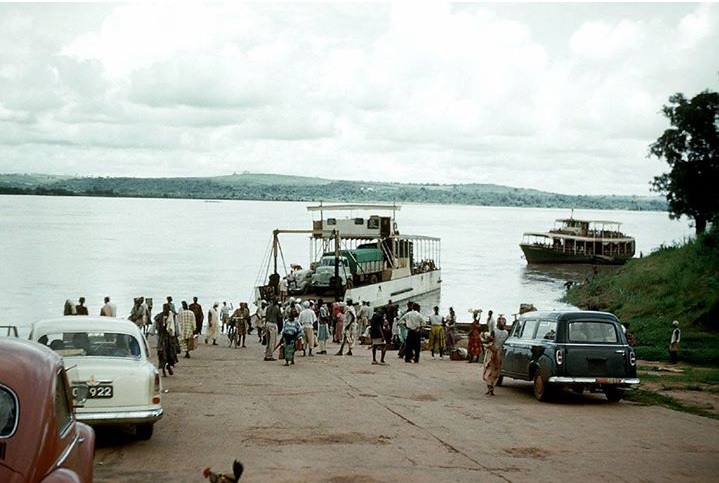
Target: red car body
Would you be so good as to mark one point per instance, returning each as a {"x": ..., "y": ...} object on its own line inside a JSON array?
[{"x": 41, "y": 441}]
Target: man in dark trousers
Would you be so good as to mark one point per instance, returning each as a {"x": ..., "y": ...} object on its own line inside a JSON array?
[{"x": 199, "y": 316}]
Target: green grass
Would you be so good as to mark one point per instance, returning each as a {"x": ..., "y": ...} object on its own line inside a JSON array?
[
  {"x": 651, "y": 398},
  {"x": 673, "y": 283}
]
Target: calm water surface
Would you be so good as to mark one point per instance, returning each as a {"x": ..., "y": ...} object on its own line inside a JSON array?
[{"x": 55, "y": 248}]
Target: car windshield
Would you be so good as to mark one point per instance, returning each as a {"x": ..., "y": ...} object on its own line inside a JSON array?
[
  {"x": 593, "y": 331},
  {"x": 103, "y": 344}
]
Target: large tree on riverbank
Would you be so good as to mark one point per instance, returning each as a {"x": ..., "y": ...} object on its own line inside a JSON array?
[{"x": 691, "y": 148}]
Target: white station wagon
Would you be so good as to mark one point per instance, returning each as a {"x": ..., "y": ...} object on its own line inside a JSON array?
[{"x": 106, "y": 359}]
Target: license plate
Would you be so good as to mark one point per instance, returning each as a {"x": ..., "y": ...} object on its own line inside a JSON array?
[
  {"x": 608, "y": 380},
  {"x": 99, "y": 392}
]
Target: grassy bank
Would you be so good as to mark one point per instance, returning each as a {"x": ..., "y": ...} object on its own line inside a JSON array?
[{"x": 673, "y": 283}]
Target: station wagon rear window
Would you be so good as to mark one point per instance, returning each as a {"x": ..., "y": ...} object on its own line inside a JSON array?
[
  {"x": 105, "y": 344},
  {"x": 592, "y": 331},
  {"x": 8, "y": 412}
]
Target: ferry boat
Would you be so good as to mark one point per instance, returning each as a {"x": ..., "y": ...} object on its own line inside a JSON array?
[
  {"x": 579, "y": 241},
  {"x": 359, "y": 255}
]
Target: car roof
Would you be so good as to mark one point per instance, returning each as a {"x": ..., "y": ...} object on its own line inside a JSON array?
[
  {"x": 23, "y": 361},
  {"x": 83, "y": 323},
  {"x": 568, "y": 315}
]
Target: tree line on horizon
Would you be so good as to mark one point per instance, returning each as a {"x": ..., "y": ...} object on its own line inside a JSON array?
[{"x": 260, "y": 187}]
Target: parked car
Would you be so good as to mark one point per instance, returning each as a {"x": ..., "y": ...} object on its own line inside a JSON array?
[
  {"x": 107, "y": 361},
  {"x": 579, "y": 350},
  {"x": 41, "y": 441}
]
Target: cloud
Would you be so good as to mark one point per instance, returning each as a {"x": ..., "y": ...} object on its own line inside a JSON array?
[{"x": 538, "y": 96}]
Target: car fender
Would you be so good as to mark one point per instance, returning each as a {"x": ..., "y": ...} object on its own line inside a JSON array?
[{"x": 62, "y": 475}]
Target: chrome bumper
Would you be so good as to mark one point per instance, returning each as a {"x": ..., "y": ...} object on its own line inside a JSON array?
[
  {"x": 128, "y": 417},
  {"x": 614, "y": 381}
]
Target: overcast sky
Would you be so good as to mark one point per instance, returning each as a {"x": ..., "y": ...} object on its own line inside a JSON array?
[{"x": 558, "y": 97}]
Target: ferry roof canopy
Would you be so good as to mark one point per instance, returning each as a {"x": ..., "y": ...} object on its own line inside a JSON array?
[{"x": 344, "y": 207}]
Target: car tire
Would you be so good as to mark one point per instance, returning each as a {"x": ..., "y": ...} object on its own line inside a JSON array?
[
  {"x": 542, "y": 391},
  {"x": 614, "y": 394},
  {"x": 500, "y": 380},
  {"x": 143, "y": 432}
]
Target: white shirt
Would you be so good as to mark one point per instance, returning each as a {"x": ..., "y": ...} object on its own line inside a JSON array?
[
  {"x": 435, "y": 319},
  {"x": 307, "y": 317},
  {"x": 412, "y": 320}
]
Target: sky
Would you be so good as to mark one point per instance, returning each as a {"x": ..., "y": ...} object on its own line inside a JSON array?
[{"x": 561, "y": 97}]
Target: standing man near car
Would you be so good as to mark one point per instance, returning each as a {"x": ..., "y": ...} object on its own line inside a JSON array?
[
  {"x": 412, "y": 320},
  {"x": 199, "y": 316}
]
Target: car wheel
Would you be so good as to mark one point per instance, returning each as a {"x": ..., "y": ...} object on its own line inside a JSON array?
[
  {"x": 614, "y": 394},
  {"x": 144, "y": 431},
  {"x": 541, "y": 389}
]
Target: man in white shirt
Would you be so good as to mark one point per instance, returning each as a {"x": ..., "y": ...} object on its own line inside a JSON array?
[
  {"x": 350, "y": 328},
  {"x": 307, "y": 319},
  {"x": 413, "y": 321}
]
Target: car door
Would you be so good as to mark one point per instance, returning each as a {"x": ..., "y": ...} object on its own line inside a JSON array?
[{"x": 523, "y": 348}]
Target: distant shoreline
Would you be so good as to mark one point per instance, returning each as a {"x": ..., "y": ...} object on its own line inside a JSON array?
[{"x": 265, "y": 187}]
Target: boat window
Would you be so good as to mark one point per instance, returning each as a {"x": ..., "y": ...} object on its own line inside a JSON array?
[
  {"x": 592, "y": 331},
  {"x": 373, "y": 223},
  {"x": 359, "y": 221},
  {"x": 331, "y": 221},
  {"x": 8, "y": 412}
]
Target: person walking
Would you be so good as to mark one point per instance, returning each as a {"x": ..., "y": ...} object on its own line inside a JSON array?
[
  {"x": 241, "y": 316},
  {"x": 138, "y": 314},
  {"x": 291, "y": 333},
  {"x": 494, "y": 340},
  {"x": 69, "y": 308},
  {"x": 323, "y": 326},
  {"x": 166, "y": 341},
  {"x": 674, "y": 341},
  {"x": 199, "y": 315},
  {"x": 80, "y": 308},
  {"x": 307, "y": 319},
  {"x": 450, "y": 330},
  {"x": 349, "y": 333},
  {"x": 436, "y": 334},
  {"x": 273, "y": 316},
  {"x": 108, "y": 309},
  {"x": 413, "y": 321},
  {"x": 377, "y": 334},
  {"x": 225, "y": 316},
  {"x": 187, "y": 329},
  {"x": 474, "y": 341},
  {"x": 213, "y": 320},
  {"x": 339, "y": 321},
  {"x": 260, "y": 321}
]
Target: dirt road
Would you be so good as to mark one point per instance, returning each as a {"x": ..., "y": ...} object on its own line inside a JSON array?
[{"x": 341, "y": 420}]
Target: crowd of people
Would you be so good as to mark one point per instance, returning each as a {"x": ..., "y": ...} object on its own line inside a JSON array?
[{"x": 287, "y": 326}]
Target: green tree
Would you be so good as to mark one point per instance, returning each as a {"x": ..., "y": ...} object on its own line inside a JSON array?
[{"x": 691, "y": 148}]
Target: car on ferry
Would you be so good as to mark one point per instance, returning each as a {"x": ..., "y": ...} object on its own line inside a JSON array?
[
  {"x": 41, "y": 440},
  {"x": 107, "y": 360},
  {"x": 577, "y": 350}
]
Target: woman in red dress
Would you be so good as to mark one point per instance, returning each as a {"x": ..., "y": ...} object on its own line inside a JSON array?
[{"x": 474, "y": 344}]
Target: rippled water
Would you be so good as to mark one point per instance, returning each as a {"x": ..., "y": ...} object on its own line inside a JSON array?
[{"x": 55, "y": 248}]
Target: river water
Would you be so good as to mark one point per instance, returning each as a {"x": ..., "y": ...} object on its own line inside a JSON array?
[{"x": 55, "y": 248}]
